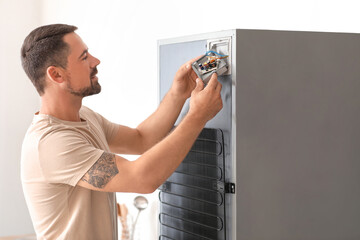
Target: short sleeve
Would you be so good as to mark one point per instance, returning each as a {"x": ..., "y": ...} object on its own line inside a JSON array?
[
  {"x": 66, "y": 155},
  {"x": 110, "y": 128}
]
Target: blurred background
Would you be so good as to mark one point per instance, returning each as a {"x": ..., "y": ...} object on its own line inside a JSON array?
[{"x": 123, "y": 35}]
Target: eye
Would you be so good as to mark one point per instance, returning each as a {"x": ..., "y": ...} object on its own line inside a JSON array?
[{"x": 85, "y": 56}]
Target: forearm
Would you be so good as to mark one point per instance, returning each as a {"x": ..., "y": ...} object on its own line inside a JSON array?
[
  {"x": 158, "y": 163},
  {"x": 150, "y": 170},
  {"x": 158, "y": 125}
]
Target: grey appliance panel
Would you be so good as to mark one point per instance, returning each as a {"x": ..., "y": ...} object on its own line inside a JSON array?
[
  {"x": 171, "y": 57},
  {"x": 295, "y": 131},
  {"x": 297, "y": 135}
]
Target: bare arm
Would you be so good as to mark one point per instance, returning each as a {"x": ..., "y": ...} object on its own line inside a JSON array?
[
  {"x": 149, "y": 132},
  {"x": 158, "y": 125},
  {"x": 112, "y": 173}
]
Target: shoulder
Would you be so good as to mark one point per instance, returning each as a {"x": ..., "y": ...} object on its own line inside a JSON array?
[
  {"x": 86, "y": 111},
  {"x": 48, "y": 129},
  {"x": 45, "y": 136},
  {"x": 40, "y": 127},
  {"x": 89, "y": 114}
]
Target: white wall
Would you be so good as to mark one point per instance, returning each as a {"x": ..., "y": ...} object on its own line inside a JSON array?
[
  {"x": 18, "y": 102},
  {"x": 124, "y": 34}
]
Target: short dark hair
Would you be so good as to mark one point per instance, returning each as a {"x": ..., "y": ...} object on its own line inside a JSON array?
[{"x": 42, "y": 48}]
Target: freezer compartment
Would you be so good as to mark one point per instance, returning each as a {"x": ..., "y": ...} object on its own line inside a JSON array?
[{"x": 192, "y": 202}]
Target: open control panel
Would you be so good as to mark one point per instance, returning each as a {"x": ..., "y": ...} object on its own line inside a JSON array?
[{"x": 217, "y": 59}]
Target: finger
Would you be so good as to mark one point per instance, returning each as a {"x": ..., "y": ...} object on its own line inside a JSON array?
[
  {"x": 199, "y": 85},
  {"x": 118, "y": 209},
  {"x": 192, "y": 75},
  {"x": 219, "y": 87},
  {"x": 213, "y": 81}
]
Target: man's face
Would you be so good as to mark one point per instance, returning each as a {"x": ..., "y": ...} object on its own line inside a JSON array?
[{"x": 81, "y": 68}]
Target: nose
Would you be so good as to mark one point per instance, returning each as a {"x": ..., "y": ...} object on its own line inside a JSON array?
[{"x": 95, "y": 61}]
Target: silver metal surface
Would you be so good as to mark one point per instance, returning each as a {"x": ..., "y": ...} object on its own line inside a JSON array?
[
  {"x": 298, "y": 133},
  {"x": 291, "y": 122}
]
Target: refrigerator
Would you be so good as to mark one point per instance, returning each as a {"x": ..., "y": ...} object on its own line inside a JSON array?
[{"x": 281, "y": 160}]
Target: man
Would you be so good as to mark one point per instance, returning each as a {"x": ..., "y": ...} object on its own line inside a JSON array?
[{"x": 70, "y": 170}]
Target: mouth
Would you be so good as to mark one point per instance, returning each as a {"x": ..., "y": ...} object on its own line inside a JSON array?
[{"x": 93, "y": 74}]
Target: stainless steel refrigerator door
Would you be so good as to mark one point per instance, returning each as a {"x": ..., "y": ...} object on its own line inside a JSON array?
[
  {"x": 297, "y": 135},
  {"x": 291, "y": 131}
]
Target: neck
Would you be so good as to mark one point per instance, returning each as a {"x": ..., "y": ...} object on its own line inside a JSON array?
[{"x": 65, "y": 108}]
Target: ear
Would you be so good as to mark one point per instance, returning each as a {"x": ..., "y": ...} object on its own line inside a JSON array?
[{"x": 55, "y": 74}]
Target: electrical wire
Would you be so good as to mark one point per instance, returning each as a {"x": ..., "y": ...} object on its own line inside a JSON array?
[
  {"x": 213, "y": 59},
  {"x": 216, "y": 53}
]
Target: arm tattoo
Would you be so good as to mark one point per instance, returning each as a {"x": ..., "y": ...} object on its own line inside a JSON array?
[{"x": 102, "y": 171}]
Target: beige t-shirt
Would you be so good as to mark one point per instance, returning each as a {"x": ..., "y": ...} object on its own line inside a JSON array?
[{"x": 55, "y": 155}]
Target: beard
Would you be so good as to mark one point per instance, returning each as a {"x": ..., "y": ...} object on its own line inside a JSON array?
[{"x": 94, "y": 87}]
